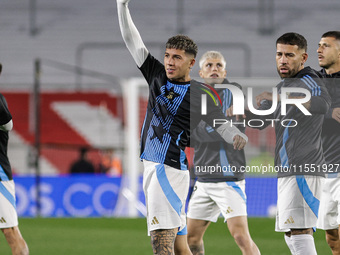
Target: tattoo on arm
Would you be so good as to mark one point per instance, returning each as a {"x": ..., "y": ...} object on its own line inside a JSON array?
[
  {"x": 162, "y": 241},
  {"x": 308, "y": 231}
]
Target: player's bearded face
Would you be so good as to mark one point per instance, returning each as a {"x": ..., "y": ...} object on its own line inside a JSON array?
[
  {"x": 289, "y": 60},
  {"x": 178, "y": 64},
  {"x": 328, "y": 52}
]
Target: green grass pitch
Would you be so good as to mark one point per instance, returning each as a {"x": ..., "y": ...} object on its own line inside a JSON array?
[{"x": 120, "y": 236}]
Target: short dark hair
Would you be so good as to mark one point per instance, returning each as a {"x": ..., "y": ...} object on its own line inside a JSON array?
[
  {"x": 335, "y": 34},
  {"x": 182, "y": 42},
  {"x": 83, "y": 151},
  {"x": 293, "y": 39}
]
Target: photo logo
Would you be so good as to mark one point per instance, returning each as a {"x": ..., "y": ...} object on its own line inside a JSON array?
[
  {"x": 204, "y": 97},
  {"x": 286, "y": 98}
]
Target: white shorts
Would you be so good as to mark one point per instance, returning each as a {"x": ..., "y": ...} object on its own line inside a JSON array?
[
  {"x": 166, "y": 190},
  {"x": 209, "y": 200},
  {"x": 329, "y": 217},
  {"x": 298, "y": 202},
  {"x": 8, "y": 213}
]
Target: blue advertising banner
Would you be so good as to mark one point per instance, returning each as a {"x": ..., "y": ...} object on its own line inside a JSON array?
[
  {"x": 261, "y": 196},
  {"x": 98, "y": 196},
  {"x": 76, "y": 196}
]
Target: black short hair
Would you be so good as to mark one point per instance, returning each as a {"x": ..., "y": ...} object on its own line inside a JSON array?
[
  {"x": 293, "y": 39},
  {"x": 335, "y": 34},
  {"x": 182, "y": 42},
  {"x": 83, "y": 151}
]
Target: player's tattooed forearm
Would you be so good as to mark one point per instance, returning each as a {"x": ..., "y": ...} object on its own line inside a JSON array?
[
  {"x": 197, "y": 249},
  {"x": 162, "y": 241}
]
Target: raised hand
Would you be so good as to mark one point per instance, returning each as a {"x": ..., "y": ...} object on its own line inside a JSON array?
[
  {"x": 336, "y": 114},
  {"x": 264, "y": 96}
]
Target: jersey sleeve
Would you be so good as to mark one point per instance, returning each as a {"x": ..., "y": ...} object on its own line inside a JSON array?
[
  {"x": 130, "y": 34},
  {"x": 204, "y": 133},
  {"x": 6, "y": 123},
  {"x": 218, "y": 121},
  {"x": 329, "y": 113},
  {"x": 151, "y": 68},
  {"x": 320, "y": 100}
]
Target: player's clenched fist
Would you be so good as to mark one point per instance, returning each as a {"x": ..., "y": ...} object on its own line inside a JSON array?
[
  {"x": 123, "y": 1},
  {"x": 336, "y": 114},
  {"x": 239, "y": 142},
  {"x": 264, "y": 96}
]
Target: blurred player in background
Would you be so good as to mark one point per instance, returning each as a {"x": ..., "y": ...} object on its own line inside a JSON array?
[
  {"x": 110, "y": 163},
  {"x": 221, "y": 191},
  {"x": 173, "y": 99},
  {"x": 82, "y": 165},
  {"x": 329, "y": 217},
  {"x": 298, "y": 151},
  {"x": 8, "y": 213}
]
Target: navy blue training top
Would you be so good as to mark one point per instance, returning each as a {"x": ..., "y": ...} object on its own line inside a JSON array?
[
  {"x": 5, "y": 117},
  {"x": 173, "y": 110}
]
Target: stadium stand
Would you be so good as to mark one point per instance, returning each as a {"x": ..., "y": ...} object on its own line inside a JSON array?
[{"x": 63, "y": 25}]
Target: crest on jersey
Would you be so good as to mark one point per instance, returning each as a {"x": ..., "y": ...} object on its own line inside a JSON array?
[{"x": 171, "y": 94}]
